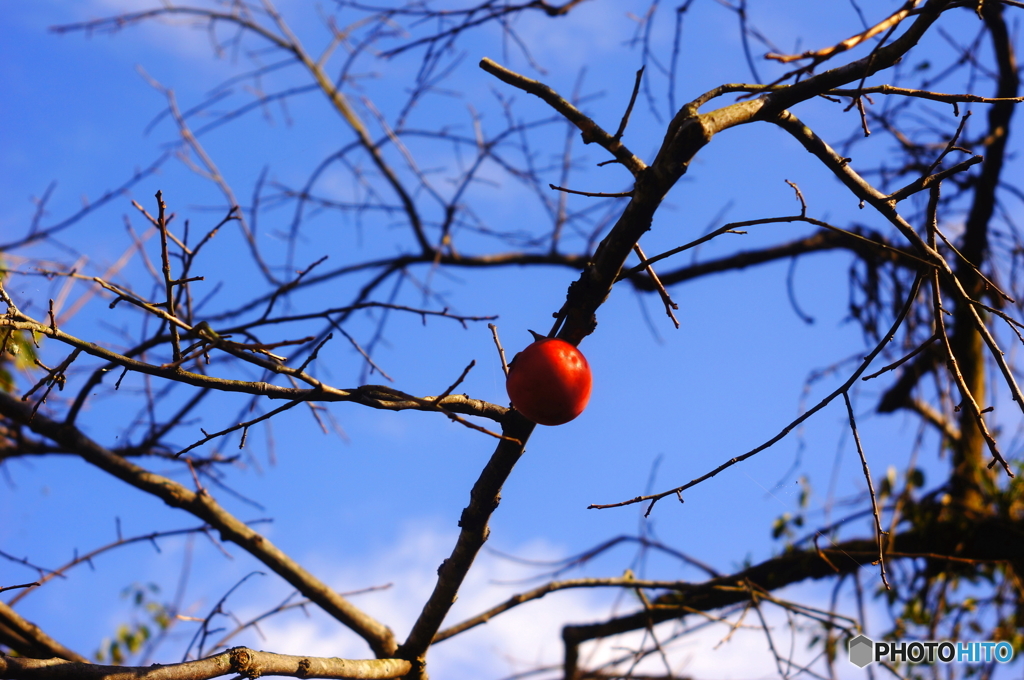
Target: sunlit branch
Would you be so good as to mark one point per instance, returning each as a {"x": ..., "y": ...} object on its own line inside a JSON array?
[
  {"x": 928, "y": 181},
  {"x": 28, "y": 638},
  {"x": 240, "y": 426},
  {"x": 821, "y": 55},
  {"x": 554, "y": 586},
  {"x": 238, "y": 661},
  {"x": 946, "y": 97},
  {"x": 665, "y": 298},
  {"x": 880, "y": 58},
  {"x": 592, "y": 132},
  {"x": 896, "y": 364},
  {"x": 374, "y": 396}
]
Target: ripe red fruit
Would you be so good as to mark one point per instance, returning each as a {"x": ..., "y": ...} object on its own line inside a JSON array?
[{"x": 549, "y": 382}]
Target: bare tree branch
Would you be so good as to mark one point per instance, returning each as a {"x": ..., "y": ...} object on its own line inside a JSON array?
[
  {"x": 203, "y": 506},
  {"x": 239, "y": 661}
]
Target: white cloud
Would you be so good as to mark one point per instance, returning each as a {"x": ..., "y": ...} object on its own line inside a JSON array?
[
  {"x": 521, "y": 639},
  {"x": 528, "y": 636},
  {"x": 183, "y": 37}
]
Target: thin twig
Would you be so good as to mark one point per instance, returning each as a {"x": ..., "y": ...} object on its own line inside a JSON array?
[
  {"x": 629, "y": 108},
  {"x": 239, "y": 426},
  {"x": 501, "y": 350},
  {"x": 977, "y": 271},
  {"x": 592, "y": 132},
  {"x": 871, "y": 491},
  {"x": 365, "y": 355},
  {"x": 654, "y": 498},
  {"x": 954, "y": 369},
  {"x": 623, "y": 194},
  {"x": 799, "y": 197},
  {"x": 901, "y": 361},
  {"x": 20, "y": 585},
  {"x": 165, "y": 260},
  {"x": 455, "y": 384},
  {"x": 665, "y": 298}
]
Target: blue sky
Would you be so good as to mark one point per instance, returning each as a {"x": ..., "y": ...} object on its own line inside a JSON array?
[{"x": 380, "y": 504}]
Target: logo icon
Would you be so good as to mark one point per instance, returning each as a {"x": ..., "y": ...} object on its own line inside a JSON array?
[{"x": 862, "y": 651}]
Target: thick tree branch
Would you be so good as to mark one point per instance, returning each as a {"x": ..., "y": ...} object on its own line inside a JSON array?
[
  {"x": 990, "y": 540},
  {"x": 821, "y": 241},
  {"x": 238, "y": 661},
  {"x": 688, "y": 132},
  {"x": 203, "y": 506},
  {"x": 28, "y": 639},
  {"x": 887, "y": 208},
  {"x": 483, "y": 501}
]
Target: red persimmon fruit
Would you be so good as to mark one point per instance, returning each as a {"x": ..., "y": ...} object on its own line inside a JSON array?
[{"x": 549, "y": 381}]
